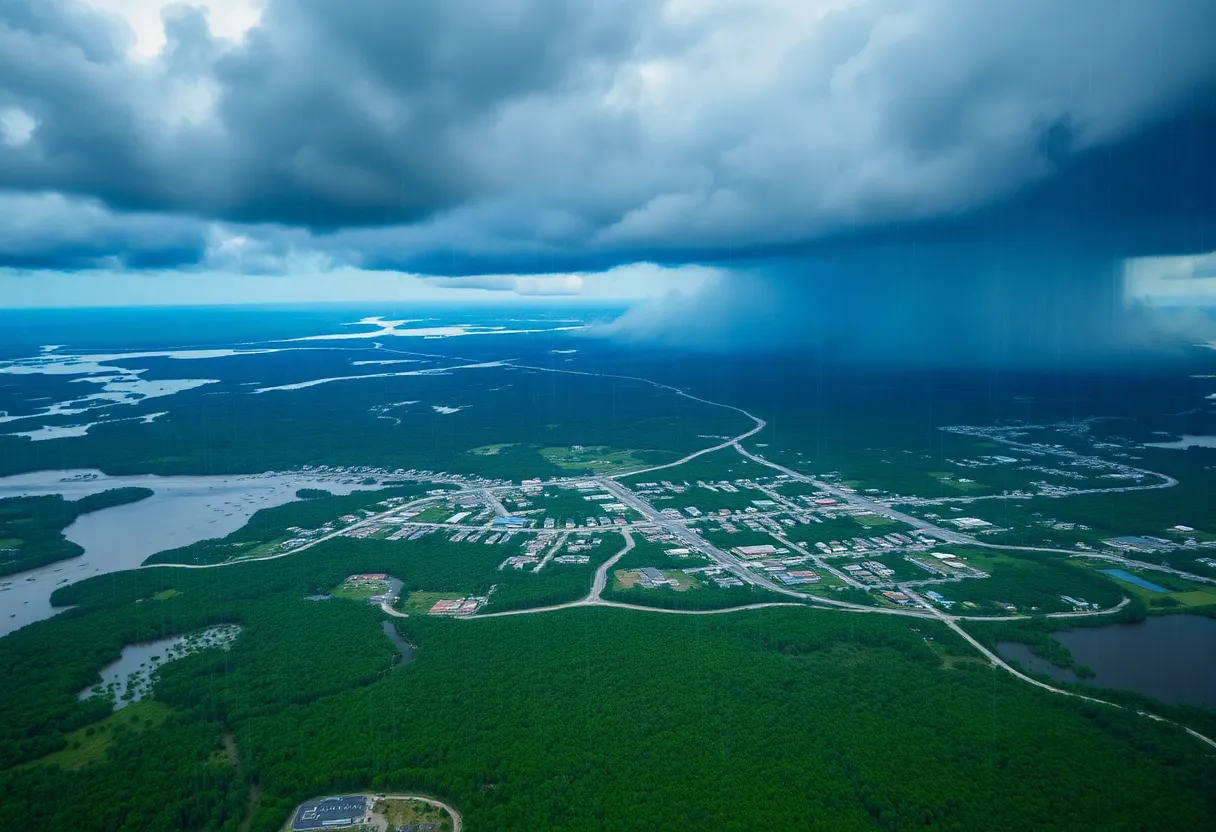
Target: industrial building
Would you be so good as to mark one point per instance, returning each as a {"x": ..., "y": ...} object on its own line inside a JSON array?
[{"x": 331, "y": 812}]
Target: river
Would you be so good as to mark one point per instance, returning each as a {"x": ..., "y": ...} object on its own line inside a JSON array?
[
  {"x": 183, "y": 510},
  {"x": 1170, "y": 658},
  {"x": 406, "y": 649}
]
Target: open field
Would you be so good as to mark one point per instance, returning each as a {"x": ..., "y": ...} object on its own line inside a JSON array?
[{"x": 91, "y": 744}]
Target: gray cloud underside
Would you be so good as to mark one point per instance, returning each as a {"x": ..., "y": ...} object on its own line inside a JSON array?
[{"x": 538, "y": 135}]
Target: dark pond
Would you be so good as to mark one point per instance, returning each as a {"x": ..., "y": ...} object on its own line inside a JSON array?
[{"x": 1171, "y": 658}]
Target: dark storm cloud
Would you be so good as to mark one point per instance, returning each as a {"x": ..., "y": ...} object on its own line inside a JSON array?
[
  {"x": 981, "y": 164},
  {"x": 590, "y": 128},
  {"x": 330, "y": 114},
  {"x": 48, "y": 231}
]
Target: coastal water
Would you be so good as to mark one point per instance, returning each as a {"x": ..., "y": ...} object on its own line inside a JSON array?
[
  {"x": 1187, "y": 441},
  {"x": 183, "y": 510},
  {"x": 1171, "y": 658}
]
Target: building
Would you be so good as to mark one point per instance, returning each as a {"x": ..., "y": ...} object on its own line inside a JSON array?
[
  {"x": 970, "y": 523},
  {"x": 755, "y": 551},
  {"x": 513, "y": 522},
  {"x": 330, "y": 812}
]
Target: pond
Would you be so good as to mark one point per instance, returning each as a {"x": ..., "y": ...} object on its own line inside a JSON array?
[
  {"x": 1135, "y": 580},
  {"x": 1171, "y": 658},
  {"x": 129, "y": 678}
]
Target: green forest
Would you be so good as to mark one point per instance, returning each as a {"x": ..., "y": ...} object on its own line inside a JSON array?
[
  {"x": 521, "y": 410},
  {"x": 583, "y": 719},
  {"x": 31, "y": 528}
]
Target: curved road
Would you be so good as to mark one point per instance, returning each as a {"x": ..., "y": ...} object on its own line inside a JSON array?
[{"x": 601, "y": 574}]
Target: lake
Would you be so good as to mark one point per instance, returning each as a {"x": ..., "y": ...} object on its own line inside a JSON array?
[
  {"x": 183, "y": 510},
  {"x": 1171, "y": 658},
  {"x": 1187, "y": 441}
]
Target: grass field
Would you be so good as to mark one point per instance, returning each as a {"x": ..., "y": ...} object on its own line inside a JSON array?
[
  {"x": 357, "y": 592},
  {"x": 625, "y": 578},
  {"x": 89, "y": 745},
  {"x": 421, "y": 602},
  {"x": 599, "y": 459},
  {"x": 433, "y": 514},
  {"x": 875, "y": 520},
  {"x": 404, "y": 812},
  {"x": 951, "y": 480}
]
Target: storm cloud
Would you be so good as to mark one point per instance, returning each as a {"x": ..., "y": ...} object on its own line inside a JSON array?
[{"x": 804, "y": 143}]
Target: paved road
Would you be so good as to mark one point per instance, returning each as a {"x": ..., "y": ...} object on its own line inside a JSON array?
[
  {"x": 1111, "y": 558},
  {"x": 557, "y": 544},
  {"x": 601, "y": 574},
  {"x": 682, "y": 532},
  {"x": 499, "y": 508},
  {"x": 857, "y": 501},
  {"x": 997, "y": 661}
]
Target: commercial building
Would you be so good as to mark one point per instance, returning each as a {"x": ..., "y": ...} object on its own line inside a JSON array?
[
  {"x": 330, "y": 812},
  {"x": 755, "y": 551}
]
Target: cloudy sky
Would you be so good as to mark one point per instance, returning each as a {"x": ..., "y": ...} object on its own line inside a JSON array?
[{"x": 839, "y": 170}]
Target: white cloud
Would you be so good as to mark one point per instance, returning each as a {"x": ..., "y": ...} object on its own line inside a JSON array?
[
  {"x": 1171, "y": 281},
  {"x": 228, "y": 19},
  {"x": 16, "y": 126}
]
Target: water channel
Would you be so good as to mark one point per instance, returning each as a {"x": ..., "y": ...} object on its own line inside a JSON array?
[
  {"x": 406, "y": 649},
  {"x": 1171, "y": 658}
]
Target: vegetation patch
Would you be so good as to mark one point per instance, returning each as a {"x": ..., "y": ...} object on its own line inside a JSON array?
[
  {"x": 397, "y": 812},
  {"x": 421, "y": 602},
  {"x": 360, "y": 587},
  {"x": 90, "y": 745},
  {"x": 31, "y": 528},
  {"x": 595, "y": 459},
  {"x": 491, "y": 450}
]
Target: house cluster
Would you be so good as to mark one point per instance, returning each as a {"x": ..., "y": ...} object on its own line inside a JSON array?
[
  {"x": 531, "y": 553},
  {"x": 789, "y": 570},
  {"x": 895, "y": 540},
  {"x": 720, "y": 575},
  {"x": 939, "y": 599},
  {"x": 870, "y": 571}
]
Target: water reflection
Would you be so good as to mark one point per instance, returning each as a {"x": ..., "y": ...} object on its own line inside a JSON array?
[{"x": 1166, "y": 657}]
